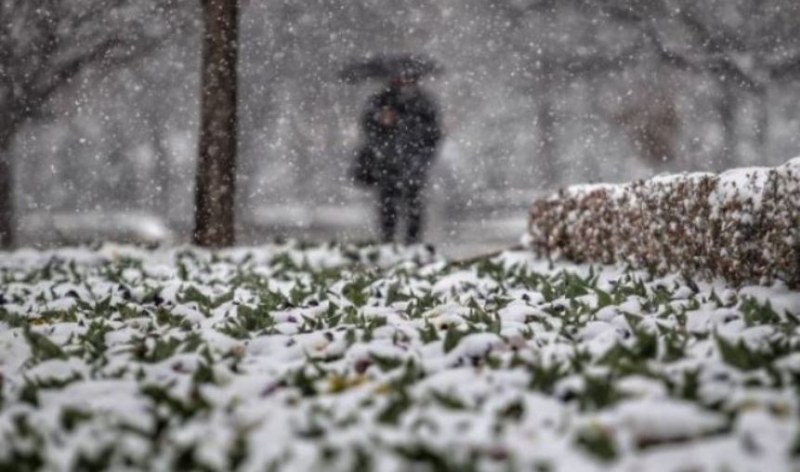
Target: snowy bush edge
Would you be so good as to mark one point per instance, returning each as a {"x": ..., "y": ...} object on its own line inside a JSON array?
[{"x": 740, "y": 225}]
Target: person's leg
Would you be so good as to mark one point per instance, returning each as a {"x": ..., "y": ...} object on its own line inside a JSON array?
[
  {"x": 388, "y": 202},
  {"x": 415, "y": 211}
]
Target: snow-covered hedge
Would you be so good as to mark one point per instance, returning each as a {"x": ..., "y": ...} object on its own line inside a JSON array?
[{"x": 741, "y": 225}]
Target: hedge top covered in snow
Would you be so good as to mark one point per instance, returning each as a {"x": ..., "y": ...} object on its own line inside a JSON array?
[
  {"x": 344, "y": 358},
  {"x": 741, "y": 224}
]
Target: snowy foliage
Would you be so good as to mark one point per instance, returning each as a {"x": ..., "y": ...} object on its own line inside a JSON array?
[{"x": 349, "y": 358}]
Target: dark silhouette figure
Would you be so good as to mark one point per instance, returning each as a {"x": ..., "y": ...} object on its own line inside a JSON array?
[{"x": 401, "y": 132}]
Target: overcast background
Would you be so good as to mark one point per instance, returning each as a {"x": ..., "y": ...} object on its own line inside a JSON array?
[{"x": 535, "y": 95}]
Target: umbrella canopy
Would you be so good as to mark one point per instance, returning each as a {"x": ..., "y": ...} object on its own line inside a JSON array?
[{"x": 388, "y": 66}]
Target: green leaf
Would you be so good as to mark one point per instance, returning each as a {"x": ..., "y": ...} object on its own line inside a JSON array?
[
  {"x": 543, "y": 379},
  {"x": 355, "y": 292},
  {"x": 386, "y": 363},
  {"x": 742, "y": 357},
  {"x": 603, "y": 298},
  {"x": 399, "y": 403},
  {"x": 192, "y": 294},
  {"x": 42, "y": 348},
  {"x": 72, "y": 417},
  {"x": 449, "y": 402},
  {"x": 451, "y": 338},
  {"x": 428, "y": 334},
  {"x": 597, "y": 442}
]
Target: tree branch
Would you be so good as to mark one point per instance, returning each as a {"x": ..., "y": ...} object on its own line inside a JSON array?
[
  {"x": 63, "y": 74},
  {"x": 598, "y": 64},
  {"x": 716, "y": 56},
  {"x": 712, "y": 44},
  {"x": 785, "y": 70}
]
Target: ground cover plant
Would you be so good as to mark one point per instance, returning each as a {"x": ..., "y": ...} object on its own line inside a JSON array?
[{"x": 287, "y": 357}]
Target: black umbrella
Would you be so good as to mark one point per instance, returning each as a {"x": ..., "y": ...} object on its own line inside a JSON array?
[{"x": 388, "y": 66}]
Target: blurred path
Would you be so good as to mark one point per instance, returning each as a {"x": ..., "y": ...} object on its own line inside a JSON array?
[{"x": 465, "y": 235}]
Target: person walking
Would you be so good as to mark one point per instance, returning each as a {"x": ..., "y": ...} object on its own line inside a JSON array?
[{"x": 402, "y": 132}]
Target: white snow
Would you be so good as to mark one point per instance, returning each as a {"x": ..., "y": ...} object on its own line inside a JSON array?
[{"x": 467, "y": 367}]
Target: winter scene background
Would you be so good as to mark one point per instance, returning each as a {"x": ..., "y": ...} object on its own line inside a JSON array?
[
  {"x": 611, "y": 280},
  {"x": 534, "y": 95}
]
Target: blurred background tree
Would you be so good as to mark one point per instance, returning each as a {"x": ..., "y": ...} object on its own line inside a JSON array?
[
  {"x": 216, "y": 168},
  {"x": 744, "y": 48},
  {"x": 47, "y": 48}
]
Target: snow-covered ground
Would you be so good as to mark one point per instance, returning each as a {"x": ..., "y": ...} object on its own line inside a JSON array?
[{"x": 373, "y": 358}]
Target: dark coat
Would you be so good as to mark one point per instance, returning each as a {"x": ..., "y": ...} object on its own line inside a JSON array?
[{"x": 401, "y": 131}]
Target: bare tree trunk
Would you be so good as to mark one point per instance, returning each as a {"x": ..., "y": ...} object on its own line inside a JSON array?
[
  {"x": 762, "y": 123},
  {"x": 214, "y": 197},
  {"x": 6, "y": 198},
  {"x": 548, "y": 139},
  {"x": 6, "y": 186},
  {"x": 727, "y": 107},
  {"x": 163, "y": 168}
]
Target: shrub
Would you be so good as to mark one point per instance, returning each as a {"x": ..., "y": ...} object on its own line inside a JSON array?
[{"x": 741, "y": 225}]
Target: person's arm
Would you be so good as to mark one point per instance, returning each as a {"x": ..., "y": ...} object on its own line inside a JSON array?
[
  {"x": 368, "y": 123},
  {"x": 379, "y": 117},
  {"x": 432, "y": 132}
]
